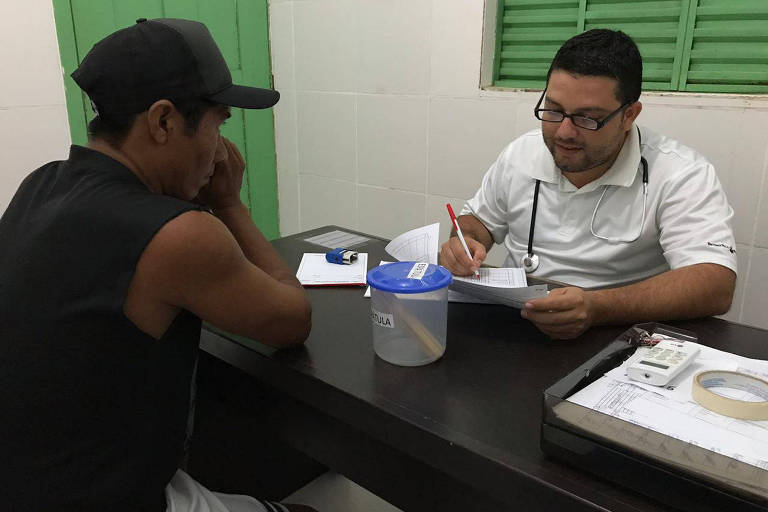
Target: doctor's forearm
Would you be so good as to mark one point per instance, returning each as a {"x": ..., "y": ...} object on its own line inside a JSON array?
[
  {"x": 472, "y": 227},
  {"x": 689, "y": 292}
]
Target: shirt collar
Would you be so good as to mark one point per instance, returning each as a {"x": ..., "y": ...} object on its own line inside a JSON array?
[
  {"x": 621, "y": 174},
  {"x": 543, "y": 167}
]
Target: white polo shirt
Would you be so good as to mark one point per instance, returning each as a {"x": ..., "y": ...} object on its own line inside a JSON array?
[{"x": 687, "y": 218}]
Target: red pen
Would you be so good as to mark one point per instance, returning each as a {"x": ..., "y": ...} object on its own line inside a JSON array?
[{"x": 461, "y": 236}]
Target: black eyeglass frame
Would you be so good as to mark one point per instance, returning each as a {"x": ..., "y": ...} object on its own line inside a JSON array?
[{"x": 599, "y": 123}]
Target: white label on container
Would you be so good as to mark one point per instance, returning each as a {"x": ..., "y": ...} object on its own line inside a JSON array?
[
  {"x": 418, "y": 270},
  {"x": 382, "y": 319}
]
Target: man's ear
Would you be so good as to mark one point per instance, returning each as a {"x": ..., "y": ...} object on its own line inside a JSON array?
[
  {"x": 631, "y": 113},
  {"x": 161, "y": 120}
]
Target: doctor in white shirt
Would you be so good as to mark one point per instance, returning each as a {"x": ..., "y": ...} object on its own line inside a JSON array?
[{"x": 637, "y": 222}]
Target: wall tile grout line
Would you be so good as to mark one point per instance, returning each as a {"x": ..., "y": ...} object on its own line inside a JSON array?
[
  {"x": 296, "y": 118},
  {"x": 429, "y": 108},
  {"x": 754, "y": 235}
]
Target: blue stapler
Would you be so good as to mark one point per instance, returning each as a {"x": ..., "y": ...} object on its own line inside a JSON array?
[{"x": 341, "y": 256}]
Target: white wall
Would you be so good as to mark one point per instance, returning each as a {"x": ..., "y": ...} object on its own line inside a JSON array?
[
  {"x": 382, "y": 122},
  {"x": 33, "y": 113}
]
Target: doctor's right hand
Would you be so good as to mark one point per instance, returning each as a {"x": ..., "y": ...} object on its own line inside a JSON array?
[{"x": 454, "y": 257}]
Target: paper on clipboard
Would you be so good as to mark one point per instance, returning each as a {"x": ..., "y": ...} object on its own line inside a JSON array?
[
  {"x": 314, "y": 270},
  {"x": 672, "y": 411}
]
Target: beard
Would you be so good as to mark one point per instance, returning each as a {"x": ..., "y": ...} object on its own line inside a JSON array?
[{"x": 579, "y": 156}]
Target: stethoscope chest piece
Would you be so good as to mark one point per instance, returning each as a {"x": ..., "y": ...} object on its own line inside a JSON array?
[{"x": 530, "y": 262}]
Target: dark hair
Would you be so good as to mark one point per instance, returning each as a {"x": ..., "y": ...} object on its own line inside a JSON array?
[
  {"x": 113, "y": 127},
  {"x": 602, "y": 52}
]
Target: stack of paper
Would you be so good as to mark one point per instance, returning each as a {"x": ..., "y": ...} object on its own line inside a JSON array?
[
  {"x": 314, "y": 270},
  {"x": 420, "y": 244},
  {"x": 672, "y": 412},
  {"x": 507, "y": 286}
]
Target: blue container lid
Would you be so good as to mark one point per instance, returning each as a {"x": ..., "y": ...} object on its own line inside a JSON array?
[{"x": 393, "y": 277}]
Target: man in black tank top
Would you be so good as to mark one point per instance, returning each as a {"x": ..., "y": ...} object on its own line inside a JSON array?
[{"x": 109, "y": 262}]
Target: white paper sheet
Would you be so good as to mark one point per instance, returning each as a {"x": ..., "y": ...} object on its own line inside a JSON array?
[
  {"x": 708, "y": 358},
  {"x": 454, "y": 296},
  {"x": 314, "y": 270},
  {"x": 420, "y": 244},
  {"x": 494, "y": 286},
  {"x": 498, "y": 278},
  {"x": 501, "y": 285},
  {"x": 678, "y": 388},
  {"x": 674, "y": 413},
  {"x": 337, "y": 239}
]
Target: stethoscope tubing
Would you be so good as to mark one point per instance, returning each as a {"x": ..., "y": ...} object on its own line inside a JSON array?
[
  {"x": 533, "y": 216},
  {"x": 642, "y": 221},
  {"x": 530, "y": 261}
]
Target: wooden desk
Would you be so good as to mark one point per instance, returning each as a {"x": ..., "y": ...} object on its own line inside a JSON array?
[{"x": 459, "y": 434}]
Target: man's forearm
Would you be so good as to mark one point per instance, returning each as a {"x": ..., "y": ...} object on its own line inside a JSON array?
[
  {"x": 689, "y": 292},
  {"x": 255, "y": 245}
]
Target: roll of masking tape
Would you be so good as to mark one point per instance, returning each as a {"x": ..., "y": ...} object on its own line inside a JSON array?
[{"x": 728, "y": 406}]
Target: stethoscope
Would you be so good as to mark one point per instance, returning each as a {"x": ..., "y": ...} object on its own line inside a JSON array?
[{"x": 530, "y": 261}]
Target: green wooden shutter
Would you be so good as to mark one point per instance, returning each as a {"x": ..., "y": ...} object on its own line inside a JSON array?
[
  {"x": 658, "y": 29},
  {"x": 529, "y": 33},
  {"x": 687, "y": 45},
  {"x": 728, "y": 41}
]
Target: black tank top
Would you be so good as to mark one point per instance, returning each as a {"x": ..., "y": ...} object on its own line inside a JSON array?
[{"x": 93, "y": 411}]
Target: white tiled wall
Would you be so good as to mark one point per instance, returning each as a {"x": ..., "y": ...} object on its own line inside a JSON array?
[
  {"x": 382, "y": 122},
  {"x": 33, "y": 115},
  {"x": 327, "y": 134},
  {"x": 400, "y": 28},
  {"x": 392, "y": 141}
]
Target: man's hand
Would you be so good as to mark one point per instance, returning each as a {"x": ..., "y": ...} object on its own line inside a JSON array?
[
  {"x": 223, "y": 191},
  {"x": 565, "y": 313},
  {"x": 454, "y": 257}
]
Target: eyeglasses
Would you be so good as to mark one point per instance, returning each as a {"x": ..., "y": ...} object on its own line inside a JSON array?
[{"x": 557, "y": 116}]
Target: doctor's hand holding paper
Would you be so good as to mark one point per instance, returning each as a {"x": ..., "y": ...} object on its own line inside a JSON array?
[{"x": 636, "y": 222}]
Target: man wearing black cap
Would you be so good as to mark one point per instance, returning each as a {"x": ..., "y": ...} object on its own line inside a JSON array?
[{"x": 109, "y": 261}]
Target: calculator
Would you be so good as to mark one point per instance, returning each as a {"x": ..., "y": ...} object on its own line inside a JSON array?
[{"x": 659, "y": 364}]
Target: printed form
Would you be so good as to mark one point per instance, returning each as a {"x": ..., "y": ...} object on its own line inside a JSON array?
[
  {"x": 671, "y": 411},
  {"x": 495, "y": 285},
  {"x": 420, "y": 244},
  {"x": 314, "y": 270},
  {"x": 507, "y": 286},
  {"x": 335, "y": 239}
]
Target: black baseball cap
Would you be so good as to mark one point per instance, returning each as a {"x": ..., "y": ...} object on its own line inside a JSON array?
[{"x": 157, "y": 59}]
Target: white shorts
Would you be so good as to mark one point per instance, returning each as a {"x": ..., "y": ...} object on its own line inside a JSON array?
[{"x": 184, "y": 494}]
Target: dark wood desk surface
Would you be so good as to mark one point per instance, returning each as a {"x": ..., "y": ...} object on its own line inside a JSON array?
[{"x": 459, "y": 434}]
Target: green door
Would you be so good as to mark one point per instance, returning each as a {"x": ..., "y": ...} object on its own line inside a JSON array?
[{"x": 239, "y": 27}]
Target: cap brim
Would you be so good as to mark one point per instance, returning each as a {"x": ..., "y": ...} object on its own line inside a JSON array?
[{"x": 246, "y": 97}]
